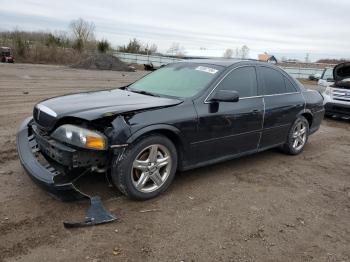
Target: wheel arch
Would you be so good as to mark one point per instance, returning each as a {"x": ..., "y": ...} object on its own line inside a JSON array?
[
  {"x": 308, "y": 115},
  {"x": 171, "y": 132}
]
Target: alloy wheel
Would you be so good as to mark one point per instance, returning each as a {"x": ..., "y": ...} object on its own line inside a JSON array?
[
  {"x": 299, "y": 136},
  {"x": 151, "y": 168}
]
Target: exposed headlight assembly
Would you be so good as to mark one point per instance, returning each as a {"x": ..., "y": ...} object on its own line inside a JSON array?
[{"x": 80, "y": 137}]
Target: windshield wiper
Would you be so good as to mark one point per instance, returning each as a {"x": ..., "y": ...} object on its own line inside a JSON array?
[{"x": 142, "y": 92}]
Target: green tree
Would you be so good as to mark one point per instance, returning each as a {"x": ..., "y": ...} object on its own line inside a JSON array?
[
  {"x": 103, "y": 46},
  {"x": 134, "y": 46},
  {"x": 53, "y": 40}
]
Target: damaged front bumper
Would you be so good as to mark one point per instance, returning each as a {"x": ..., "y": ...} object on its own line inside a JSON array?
[
  {"x": 45, "y": 176},
  {"x": 56, "y": 183}
]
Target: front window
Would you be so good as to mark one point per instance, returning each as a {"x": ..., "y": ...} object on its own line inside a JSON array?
[
  {"x": 178, "y": 80},
  {"x": 327, "y": 73},
  {"x": 242, "y": 80}
]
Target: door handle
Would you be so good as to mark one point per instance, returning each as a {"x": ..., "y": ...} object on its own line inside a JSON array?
[{"x": 255, "y": 111}]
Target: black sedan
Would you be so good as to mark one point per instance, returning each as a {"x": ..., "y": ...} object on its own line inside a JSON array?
[{"x": 182, "y": 116}]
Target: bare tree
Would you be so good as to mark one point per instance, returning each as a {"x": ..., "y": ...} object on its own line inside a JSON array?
[
  {"x": 228, "y": 53},
  {"x": 149, "y": 49},
  {"x": 176, "y": 50},
  {"x": 242, "y": 52},
  {"x": 237, "y": 53},
  {"x": 153, "y": 48},
  {"x": 83, "y": 31},
  {"x": 245, "y": 52}
]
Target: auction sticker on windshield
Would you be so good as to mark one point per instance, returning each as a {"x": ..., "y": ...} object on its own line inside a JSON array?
[{"x": 207, "y": 69}]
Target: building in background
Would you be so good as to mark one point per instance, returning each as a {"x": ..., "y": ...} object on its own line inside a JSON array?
[{"x": 265, "y": 57}]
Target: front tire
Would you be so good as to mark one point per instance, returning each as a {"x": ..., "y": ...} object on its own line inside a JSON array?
[
  {"x": 146, "y": 168},
  {"x": 297, "y": 137}
]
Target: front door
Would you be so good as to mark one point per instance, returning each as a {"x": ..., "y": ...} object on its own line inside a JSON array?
[{"x": 230, "y": 128}]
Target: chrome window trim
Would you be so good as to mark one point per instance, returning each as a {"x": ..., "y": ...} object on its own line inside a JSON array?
[
  {"x": 247, "y": 97},
  {"x": 289, "y": 93},
  {"x": 304, "y": 100},
  {"x": 261, "y": 96},
  {"x": 309, "y": 90}
]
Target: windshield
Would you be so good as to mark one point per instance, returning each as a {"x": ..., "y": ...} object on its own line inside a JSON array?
[
  {"x": 327, "y": 73},
  {"x": 179, "y": 80}
]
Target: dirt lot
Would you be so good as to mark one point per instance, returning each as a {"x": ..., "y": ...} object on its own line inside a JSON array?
[{"x": 266, "y": 207}]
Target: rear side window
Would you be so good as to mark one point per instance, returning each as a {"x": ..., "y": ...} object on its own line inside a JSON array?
[
  {"x": 243, "y": 80},
  {"x": 290, "y": 88},
  {"x": 275, "y": 82}
]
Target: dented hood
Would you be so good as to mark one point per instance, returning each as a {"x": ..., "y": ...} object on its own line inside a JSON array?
[
  {"x": 94, "y": 105},
  {"x": 341, "y": 71}
]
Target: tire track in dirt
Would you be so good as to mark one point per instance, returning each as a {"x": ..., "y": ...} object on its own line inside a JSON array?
[
  {"x": 30, "y": 230},
  {"x": 8, "y": 150}
]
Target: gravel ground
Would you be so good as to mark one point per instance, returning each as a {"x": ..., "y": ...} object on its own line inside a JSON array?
[
  {"x": 102, "y": 62},
  {"x": 265, "y": 207}
]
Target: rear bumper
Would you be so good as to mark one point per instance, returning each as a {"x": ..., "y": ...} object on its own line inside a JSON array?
[
  {"x": 337, "y": 109},
  {"x": 44, "y": 176}
]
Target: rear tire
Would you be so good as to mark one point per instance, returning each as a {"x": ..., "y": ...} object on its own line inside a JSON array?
[
  {"x": 146, "y": 168},
  {"x": 297, "y": 137}
]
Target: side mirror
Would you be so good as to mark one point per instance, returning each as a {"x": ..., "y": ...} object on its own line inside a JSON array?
[{"x": 225, "y": 96}]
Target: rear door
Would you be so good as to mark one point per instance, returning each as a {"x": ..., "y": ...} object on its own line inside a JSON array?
[{"x": 283, "y": 102}]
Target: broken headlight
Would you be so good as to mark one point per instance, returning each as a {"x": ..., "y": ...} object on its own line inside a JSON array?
[{"x": 80, "y": 137}]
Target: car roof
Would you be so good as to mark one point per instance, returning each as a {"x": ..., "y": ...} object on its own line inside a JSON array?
[{"x": 218, "y": 62}]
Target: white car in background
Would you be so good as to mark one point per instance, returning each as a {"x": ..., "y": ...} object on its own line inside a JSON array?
[
  {"x": 336, "y": 90},
  {"x": 326, "y": 79}
]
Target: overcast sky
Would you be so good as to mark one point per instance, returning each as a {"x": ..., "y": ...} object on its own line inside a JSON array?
[{"x": 285, "y": 28}]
